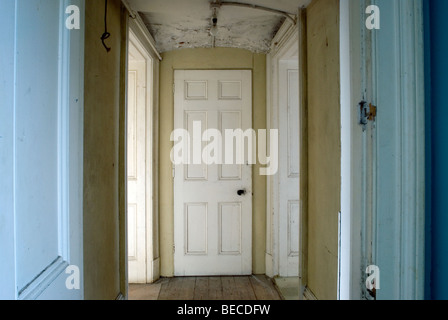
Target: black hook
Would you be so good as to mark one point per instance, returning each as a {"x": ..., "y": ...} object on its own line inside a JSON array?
[{"x": 106, "y": 34}]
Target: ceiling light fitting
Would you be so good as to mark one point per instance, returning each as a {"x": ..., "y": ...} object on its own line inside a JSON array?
[{"x": 214, "y": 29}]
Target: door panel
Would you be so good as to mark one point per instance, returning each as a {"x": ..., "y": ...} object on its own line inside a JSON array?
[
  {"x": 196, "y": 170},
  {"x": 196, "y": 228},
  {"x": 37, "y": 140},
  {"x": 230, "y": 120},
  {"x": 230, "y": 228},
  {"x": 213, "y": 224}
]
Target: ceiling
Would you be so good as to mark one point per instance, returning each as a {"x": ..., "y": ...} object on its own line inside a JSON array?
[{"x": 176, "y": 24}]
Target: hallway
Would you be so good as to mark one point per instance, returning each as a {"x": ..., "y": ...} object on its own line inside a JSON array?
[
  {"x": 256, "y": 287},
  {"x": 149, "y": 141}
]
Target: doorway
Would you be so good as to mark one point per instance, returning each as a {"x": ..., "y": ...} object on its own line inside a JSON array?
[
  {"x": 284, "y": 217},
  {"x": 142, "y": 245}
]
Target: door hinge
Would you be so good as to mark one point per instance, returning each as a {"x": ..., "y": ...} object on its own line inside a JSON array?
[
  {"x": 174, "y": 248},
  {"x": 174, "y": 172},
  {"x": 366, "y": 112}
]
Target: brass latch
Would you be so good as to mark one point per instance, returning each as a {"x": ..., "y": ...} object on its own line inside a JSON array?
[{"x": 372, "y": 112}]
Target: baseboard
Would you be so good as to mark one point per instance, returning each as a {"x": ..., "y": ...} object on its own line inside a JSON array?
[
  {"x": 308, "y": 294},
  {"x": 269, "y": 265},
  {"x": 154, "y": 271}
]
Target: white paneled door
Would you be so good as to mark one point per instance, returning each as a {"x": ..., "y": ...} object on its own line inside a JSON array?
[
  {"x": 136, "y": 167},
  {"x": 289, "y": 163},
  {"x": 213, "y": 199}
]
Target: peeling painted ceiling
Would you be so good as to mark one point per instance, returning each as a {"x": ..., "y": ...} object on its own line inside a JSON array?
[{"x": 177, "y": 24}]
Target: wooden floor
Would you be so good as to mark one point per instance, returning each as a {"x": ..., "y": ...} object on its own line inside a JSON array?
[{"x": 206, "y": 288}]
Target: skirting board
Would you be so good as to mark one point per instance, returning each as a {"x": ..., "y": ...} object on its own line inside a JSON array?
[
  {"x": 155, "y": 271},
  {"x": 308, "y": 294},
  {"x": 269, "y": 265}
]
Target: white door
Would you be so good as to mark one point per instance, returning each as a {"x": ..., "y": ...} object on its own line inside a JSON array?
[
  {"x": 212, "y": 222},
  {"x": 289, "y": 169},
  {"x": 136, "y": 167},
  {"x": 41, "y": 155}
]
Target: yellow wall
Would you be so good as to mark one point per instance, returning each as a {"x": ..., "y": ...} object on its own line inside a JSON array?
[
  {"x": 218, "y": 58},
  {"x": 324, "y": 149},
  {"x": 102, "y": 152}
]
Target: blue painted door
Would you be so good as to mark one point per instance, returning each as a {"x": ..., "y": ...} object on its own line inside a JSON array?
[
  {"x": 392, "y": 233},
  {"x": 40, "y": 152}
]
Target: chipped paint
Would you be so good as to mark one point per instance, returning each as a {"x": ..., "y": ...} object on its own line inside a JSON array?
[
  {"x": 178, "y": 24},
  {"x": 255, "y": 34}
]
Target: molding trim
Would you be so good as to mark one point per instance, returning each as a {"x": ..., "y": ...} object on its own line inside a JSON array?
[
  {"x": 120, "y": 297},
  {"x": 308, "y": 294},
  {"x": 155, "y": 271},
  {"x": 413, "y": 150},
  {"x": 303, "y": 114},
  {"x": 38, "y": 285},
  {"x": 280, "y": 42},
  {"x": 139, "y": 27},
  {"x": 269, "y": 265},
  {"x": 346, "y": 254}
]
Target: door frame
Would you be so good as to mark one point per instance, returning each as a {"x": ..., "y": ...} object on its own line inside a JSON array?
[
  {"x": 140, "y": 38},
  {"x": 285, "y": 45},
  {"x": 349, "y": 287},
  {"x": 409, "y": 140}
]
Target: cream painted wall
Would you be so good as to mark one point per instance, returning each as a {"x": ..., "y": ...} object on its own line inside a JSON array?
[
  {"x": 324, "y": 147},
  {"x": 102, "y": 158},
  {"x": 217, "y": 58}
]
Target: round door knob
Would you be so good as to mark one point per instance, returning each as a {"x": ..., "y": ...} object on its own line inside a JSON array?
[{"x": 241, "y": 192}]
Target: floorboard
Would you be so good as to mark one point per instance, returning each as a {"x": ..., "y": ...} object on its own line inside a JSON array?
[
  {"x": 201, "y": 288},
  {"x": 229, "y": 288},
  {"x": 257, "y": 287},
  {"x": 244, "y": 287},
  {"x": 215, "y": 289}
]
